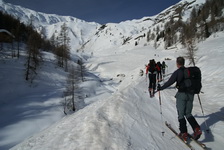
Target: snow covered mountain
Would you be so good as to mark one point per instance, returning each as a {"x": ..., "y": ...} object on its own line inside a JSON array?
[
  {"x": 79, "y": 30},
  {"x": 124, "y": 117},
  {"x": 135, "y": 32},
  {"x": 91, "y": 36},
  {"x": 118, "y": 112}
]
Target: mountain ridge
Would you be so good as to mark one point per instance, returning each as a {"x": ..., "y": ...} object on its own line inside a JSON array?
[{"x": 86, "y": 36}]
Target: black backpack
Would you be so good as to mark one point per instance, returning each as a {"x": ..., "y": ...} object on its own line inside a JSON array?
[
  {"x": 192, "y": 80},
  {"x": 152, "y": 68}
]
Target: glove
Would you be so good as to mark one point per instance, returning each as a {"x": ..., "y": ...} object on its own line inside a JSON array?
[{"x": 158, "y": 87}]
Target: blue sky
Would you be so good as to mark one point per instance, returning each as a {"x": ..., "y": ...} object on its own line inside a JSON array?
[{"x": 100, "y": 11}]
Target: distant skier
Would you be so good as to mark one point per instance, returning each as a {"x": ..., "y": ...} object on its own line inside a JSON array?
[
  {"x": 184, "y": 102},
  {"x": 151, "y": 70},
  {"x": 164, "y": 66},
  {"x": 159, "y": 73}
]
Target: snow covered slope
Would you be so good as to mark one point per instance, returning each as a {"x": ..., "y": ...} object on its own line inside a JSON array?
[
  {"x": 119, "y": 113},
  {"x": 79, "y": 30},
  {"x": 128, "y": 119},
  {"x": 135, "y": 32},
  {"x": 93, "y": 37}
]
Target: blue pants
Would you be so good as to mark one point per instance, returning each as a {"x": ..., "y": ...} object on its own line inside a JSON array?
[{"x": 184, "y": 104}]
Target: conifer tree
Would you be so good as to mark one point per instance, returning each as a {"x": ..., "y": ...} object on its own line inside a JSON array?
[
  {"x": 64, "y": 41},
  {"x": 71, "y": 86},
  {"x": 33, "y": 55}
]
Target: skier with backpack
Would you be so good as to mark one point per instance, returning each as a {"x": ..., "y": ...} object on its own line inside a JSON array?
[
  {"x": 188, "y": 83},
  {"x": 159, "y": 73},
  {"x": 164, "y": 66},
  {"x": 151, "y": 70}
]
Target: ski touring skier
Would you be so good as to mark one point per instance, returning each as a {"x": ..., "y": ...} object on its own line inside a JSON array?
[
  {"x": 184, "y": 102},
  {"x": 159, "y": 71},
  {"x": 151, "y": 70},
  {"x": 164, "y": 66}
]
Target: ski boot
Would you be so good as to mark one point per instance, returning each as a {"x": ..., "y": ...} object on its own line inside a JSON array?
[
  {"x": 184, "y": 136},
  {"x": 197, "y": 133}
]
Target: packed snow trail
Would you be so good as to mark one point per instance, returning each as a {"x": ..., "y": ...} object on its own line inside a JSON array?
[{"x": 127, "y": 120}]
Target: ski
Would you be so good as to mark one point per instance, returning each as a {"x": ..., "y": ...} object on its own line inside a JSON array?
[
  {"x": 174, "y": 131},
  {"x": 198, "y": 142}
]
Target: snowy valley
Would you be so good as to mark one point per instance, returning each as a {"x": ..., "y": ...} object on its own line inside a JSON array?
[{"x": 115, "y": 111}]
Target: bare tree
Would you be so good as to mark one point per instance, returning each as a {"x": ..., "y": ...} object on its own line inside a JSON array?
[
  {"x": 33, "y": 55},
  {"x": 148, "y": 36},
  {"x": 71, "y": 87},
  {"x": 82, "y": 68},
  {"x": 64, "y": 41},
  {"x": 59, "y": 55},
  {"x": 191, "y": 50}
]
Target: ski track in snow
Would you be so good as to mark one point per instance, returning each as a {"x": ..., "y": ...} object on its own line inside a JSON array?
[
  {"x": 128, "y": 118},
  {"x": 117, "y": 112}
]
